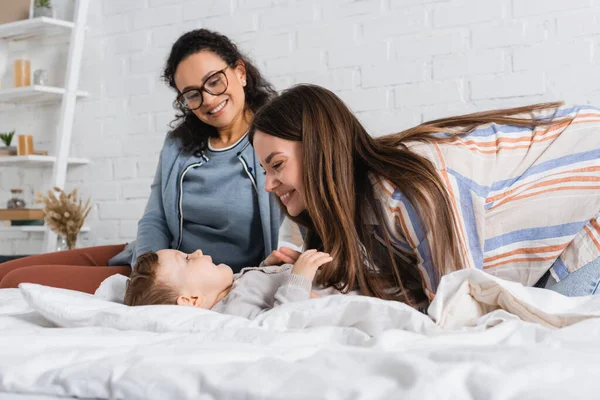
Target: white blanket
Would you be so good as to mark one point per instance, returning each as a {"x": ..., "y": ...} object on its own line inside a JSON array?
[{"x": 64, "y": 343}]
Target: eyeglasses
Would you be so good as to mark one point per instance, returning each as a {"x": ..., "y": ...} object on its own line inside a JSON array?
[{"x": 215, "y": 84}]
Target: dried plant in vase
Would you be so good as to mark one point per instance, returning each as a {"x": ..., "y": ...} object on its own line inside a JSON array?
[{"x": 64, "y": 213}]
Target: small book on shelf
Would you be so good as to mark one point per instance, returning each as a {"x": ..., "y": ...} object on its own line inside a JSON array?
[{"x": 21, "y": 214}]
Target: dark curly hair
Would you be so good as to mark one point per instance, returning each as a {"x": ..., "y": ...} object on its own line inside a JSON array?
[{"x": 192, "y": 132}]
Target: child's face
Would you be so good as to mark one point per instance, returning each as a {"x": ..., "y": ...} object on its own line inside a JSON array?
[{"x": 194, "y": 274}]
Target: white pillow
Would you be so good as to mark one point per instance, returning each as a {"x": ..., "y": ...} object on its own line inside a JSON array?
[
  {"x": 113, "y": 288},
  {"x": 69, "y": 308}
]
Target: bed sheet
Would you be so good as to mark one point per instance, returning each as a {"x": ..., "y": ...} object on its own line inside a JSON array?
[{"x": 483, "y": 338}]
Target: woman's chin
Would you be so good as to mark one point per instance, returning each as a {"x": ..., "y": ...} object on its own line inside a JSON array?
[
  {"x": 292, "y": 213},
  {"x": 294, "y": 210},
  {"x": 220, "y": 122}
]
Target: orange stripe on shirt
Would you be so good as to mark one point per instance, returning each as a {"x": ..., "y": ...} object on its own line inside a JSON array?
[
  {"x": 495, "y": 150},
  {"x": 398, "y": 212},
  {"x": 591, "y": 234},
  {"x": 528, "y": 250},
  {"x": 509, "y": 192},
  {"x": 515, "y": 260},
  {"x": 459, "y": 220},
  {"x": 536, "y": 133},
  {"x": 595, "y": 224},
  {"x": 528, "y": 140},
  {"x": 556, "y": 189}
]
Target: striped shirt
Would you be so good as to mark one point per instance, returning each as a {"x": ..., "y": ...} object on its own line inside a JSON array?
[{"x": 527, "y": 199}]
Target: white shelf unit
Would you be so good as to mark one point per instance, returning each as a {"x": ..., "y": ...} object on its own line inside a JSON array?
[
  {"x": 44, "y": 27},
  {"x": 35, "y": 160},
  {"x": 34, "y": 94},
  {"x": 34, "y": 28},
  {"x": 32, "y": 228}
]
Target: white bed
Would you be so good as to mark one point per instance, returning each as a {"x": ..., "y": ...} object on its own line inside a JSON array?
[{"x": 56, "y": 343}]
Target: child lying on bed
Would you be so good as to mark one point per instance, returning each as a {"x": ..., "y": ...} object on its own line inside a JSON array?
[{"x": 173, "y": 277}]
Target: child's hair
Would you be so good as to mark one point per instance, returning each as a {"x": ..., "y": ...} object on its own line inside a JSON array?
[{"x": 143, "y": 288}]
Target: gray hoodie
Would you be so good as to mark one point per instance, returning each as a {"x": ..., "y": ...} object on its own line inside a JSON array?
[{"x": 162, "y": 224}]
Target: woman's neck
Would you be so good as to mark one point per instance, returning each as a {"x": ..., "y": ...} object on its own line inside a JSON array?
[{"x": 233, "y": 132}]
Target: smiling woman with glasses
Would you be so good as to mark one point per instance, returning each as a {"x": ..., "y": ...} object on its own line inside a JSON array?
[
  {"x": 208, "y": 188},
  {"x": 216, "y": 84}
]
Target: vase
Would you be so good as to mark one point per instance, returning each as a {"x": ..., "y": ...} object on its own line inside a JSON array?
[
  {"x": 68, "y": 242},
  {"x": 43, "y": 12},
  {"x": 8, "y": 151},
  {"x": 61, "y": 243},
  {"x": 71, "y": 241}
]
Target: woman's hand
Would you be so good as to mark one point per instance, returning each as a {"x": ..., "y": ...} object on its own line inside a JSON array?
[
  {"x": 309, "y": 262},
  {"x": 283, "y": 255}
]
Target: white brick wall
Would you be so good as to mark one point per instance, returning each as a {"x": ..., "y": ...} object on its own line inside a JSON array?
[{"x": 395, "y": 62}]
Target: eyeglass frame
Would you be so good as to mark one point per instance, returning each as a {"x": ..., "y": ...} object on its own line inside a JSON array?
[{"x": 182, "y": 101}]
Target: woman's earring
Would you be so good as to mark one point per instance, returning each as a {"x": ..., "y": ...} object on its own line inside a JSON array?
[{"x": 244, "y": 82}]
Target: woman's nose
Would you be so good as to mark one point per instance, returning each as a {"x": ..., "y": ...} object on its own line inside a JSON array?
[
  {"x": 271, "y": 183},
  {"x": 207, "y": 99}
]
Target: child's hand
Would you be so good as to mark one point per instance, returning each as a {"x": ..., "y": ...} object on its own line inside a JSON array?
[
  {"x": 283, "y": 255},
  {"x": 309, "y": 262}
]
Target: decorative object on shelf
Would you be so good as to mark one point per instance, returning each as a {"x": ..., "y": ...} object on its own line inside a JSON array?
[
  {"x": 61, "y": 243},
  {"x": 13, "y": 214},
  {"x": 24, "y": 145},
  {"x": 40, "y": 77},
  {"x": 42, "y": 8},
  {"x": 16, "y": 200},
  {"x": 22, "y": 216},
  {"x": 22, "y": 72},
  {"x": 64, "y": 213},
  {"x": 3, "y": 59},
  {"x": 8, "y": 151},
  {"x": 7, "y": 138},
  {"x": 27, "y": 222}
]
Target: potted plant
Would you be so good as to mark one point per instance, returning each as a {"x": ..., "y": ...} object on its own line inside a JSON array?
[
  {"x": 42, "y": 8},
  {"x": 7, "y": 138}
]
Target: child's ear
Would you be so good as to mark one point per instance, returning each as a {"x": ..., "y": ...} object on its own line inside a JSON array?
[{"x": 194, "y": 301}]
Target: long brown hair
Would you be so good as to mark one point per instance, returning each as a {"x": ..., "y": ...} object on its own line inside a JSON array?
[{"x": 339, "y": 155}]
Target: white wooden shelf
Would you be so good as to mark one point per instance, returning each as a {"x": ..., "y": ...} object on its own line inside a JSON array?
[
  {"x": 33, "y": 160},
  {"x": 34, "y": 28},
  {"x": 34, "y": 94},
  {"x": 32, "y": 228}
]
